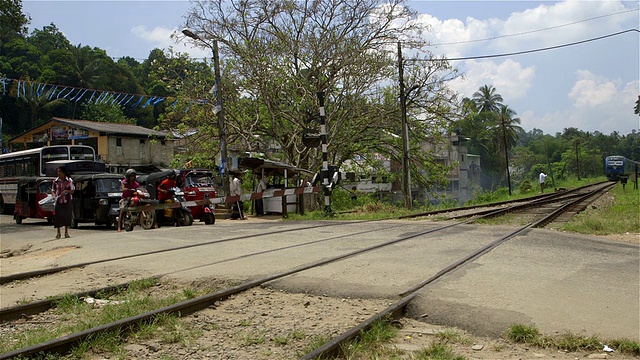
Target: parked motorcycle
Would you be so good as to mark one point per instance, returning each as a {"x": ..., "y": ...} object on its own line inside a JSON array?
[
  {"x": 208, "y": 214},
  {"x": 146, "y": 218},
  {"x": 175, "y": 216}
]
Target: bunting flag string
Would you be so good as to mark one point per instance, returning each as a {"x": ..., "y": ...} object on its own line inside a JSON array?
[
  {"x": 31, "y": 90},
  {"x": 5, "y": 82}
]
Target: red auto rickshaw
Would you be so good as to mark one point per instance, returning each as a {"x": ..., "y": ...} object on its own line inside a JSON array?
[
  {"x": 30, "y": 191},
  {"x": 198, "y": 184}
]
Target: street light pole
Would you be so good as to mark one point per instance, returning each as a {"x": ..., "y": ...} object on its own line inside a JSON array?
[{"x": 218, "y": 109}]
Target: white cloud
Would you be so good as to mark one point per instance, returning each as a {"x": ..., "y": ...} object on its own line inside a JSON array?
[
  {"x": 598, "y": 98},
  {"x": 163, "y": 38},
  {"x": 159, "y": 35},
  {"x": 554, "y": 17},
  {"x": 590, "y": 91},
  {"x": 509, "y": 77},
  {"x": 600, "y": 105}
]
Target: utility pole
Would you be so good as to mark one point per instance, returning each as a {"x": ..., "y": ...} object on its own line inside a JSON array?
[
  {"x": 218, "y": 109},
  {"x": 576, "y": 143},
  {"x": 506, "y": 155},
  {"x": 406, "y": 180}
]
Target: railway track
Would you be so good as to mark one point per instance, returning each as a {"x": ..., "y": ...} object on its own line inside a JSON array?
[
  {"x": 332, "y": 347},
  {"x": 486, "y": 210}
]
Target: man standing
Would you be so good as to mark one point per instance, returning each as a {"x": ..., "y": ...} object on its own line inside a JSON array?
[
  {"x": 541, "y": 178},
  {"x": 235, "y": 189},
  {"x": 262, "y": 186}
]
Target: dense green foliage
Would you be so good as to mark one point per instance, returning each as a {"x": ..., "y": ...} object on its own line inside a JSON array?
[
  {"x": 271, "y": 73},
  {"x": 492, "y": 127}
]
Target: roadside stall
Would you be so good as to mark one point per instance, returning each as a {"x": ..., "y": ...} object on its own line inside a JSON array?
[{"x": 280, "y": 176}]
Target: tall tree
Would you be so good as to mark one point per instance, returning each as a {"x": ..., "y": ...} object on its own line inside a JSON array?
[
  {"x": 49, "y": 38},
  {"x": 12, "y": 20},
  {"x": 278, "y": 54}
]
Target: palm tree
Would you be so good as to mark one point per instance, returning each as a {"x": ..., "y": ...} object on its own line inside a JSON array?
[
  {"x": 510, "y": 124},
  {"x": 487, "y": 100},
  {"x": 86, "y": 69},
  {"x": 39, "y": 104},
  {"x": 510, "y": 131}
]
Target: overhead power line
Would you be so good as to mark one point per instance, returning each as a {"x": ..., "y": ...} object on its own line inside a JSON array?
[
  {"x": 530, "y": 51},
  {"x": 534, "y": 31}
]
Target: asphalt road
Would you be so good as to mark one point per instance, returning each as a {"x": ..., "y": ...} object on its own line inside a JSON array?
[{"x": 557, "y": 281}]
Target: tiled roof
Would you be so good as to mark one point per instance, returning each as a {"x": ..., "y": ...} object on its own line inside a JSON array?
[{"x": 111, "y": 128}]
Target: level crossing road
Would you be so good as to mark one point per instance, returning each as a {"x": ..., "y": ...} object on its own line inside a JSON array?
[{"x": 557, "y": 281}]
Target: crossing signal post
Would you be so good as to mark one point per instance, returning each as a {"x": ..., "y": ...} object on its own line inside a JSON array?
[{"x": 325, "y": 162}]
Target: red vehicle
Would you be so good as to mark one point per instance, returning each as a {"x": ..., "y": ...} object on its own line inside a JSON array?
[
  {"x": 198, "y": 184},
  {"x": 30, "y": 191}
]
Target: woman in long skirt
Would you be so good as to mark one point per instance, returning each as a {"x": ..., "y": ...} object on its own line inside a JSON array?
[{"x": 62, "y": 191}]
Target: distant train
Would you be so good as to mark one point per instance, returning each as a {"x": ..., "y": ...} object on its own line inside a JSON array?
[{"x": 619, "y": 167}]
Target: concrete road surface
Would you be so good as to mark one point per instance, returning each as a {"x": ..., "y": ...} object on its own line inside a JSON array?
[{"x": 556, "y": 281}]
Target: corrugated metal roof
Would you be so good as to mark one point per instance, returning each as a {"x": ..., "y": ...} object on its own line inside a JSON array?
[
  {"x": 111, "y": 128},
  {"x": 255, "y": 164}
]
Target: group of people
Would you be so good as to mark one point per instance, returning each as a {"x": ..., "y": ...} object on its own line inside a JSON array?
[
  {"x": 235, "y": 189},
  {"x": 130, "y": 186},
  {"x": 63, "y": 189}
]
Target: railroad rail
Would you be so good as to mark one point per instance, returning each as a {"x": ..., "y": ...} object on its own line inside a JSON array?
[
  {"x": 62, "y": 344},
  {"x": 334, "y": 346}
]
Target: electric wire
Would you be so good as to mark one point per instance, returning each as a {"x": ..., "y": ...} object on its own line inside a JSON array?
[
  {"x": 528, "y": 51},
  {"x": 533, "y": 31}
]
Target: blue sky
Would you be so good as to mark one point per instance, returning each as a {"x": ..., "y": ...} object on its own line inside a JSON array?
[{"x": 591, "y": 86}]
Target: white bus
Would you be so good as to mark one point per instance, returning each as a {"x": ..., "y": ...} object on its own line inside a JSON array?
[{"x": 31, "y": 163}]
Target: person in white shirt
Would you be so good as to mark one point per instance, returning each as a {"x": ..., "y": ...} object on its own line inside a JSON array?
[
  {"x": 541, "y": 178},
  {"x": 235, "y": 189}
]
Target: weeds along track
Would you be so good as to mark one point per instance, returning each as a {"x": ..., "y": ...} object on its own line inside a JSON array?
[
  {"x": 187, "y": 307},
  {"x": 563, "y": 202}
]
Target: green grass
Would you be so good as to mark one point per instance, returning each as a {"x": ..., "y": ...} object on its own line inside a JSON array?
[
  {"x": 568, "y": 342},
  {"x": 248, "y": 339},
  {"x": 438, "y": 351},
  {"x": 370, "y": 207},
  {"x": 618, "y": 217},
  {"x": 453, "y": 336},
  {"x": 316, "y": 342},
  {"x": 371, "y": 344},
  {"x": 75, "y": 315}
]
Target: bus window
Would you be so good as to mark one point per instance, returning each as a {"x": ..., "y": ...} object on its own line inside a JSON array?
[
  {"x": 81, "y": 153},
  {"x": 53, "y": 153}
]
